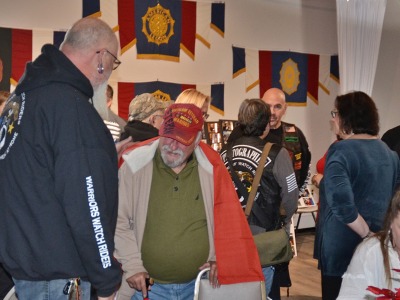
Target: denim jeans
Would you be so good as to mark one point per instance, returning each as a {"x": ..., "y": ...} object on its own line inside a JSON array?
[
  {"x": 47, "y": 290},
  {"x": 268, "y": 276},
  {"x": 173, "y": 291}
]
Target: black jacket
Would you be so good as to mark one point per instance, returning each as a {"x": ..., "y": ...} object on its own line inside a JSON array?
[
  {"x": 59, "y": 183},
  {"x": 277, "y": 189},
  {"x": 295, "y": 142},
  {"x": 392, "y": 139}
]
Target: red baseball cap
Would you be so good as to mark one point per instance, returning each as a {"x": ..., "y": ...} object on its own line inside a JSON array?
[{"x": 182, "y": 122}]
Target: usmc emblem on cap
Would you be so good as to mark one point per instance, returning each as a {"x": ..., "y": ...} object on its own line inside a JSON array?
[
  {"x": 289, "y": 76},
  {"x": 158, "y": 25}
]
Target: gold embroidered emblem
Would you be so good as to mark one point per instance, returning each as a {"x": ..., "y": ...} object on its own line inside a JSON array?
[
  {"x": 162, "y": 96},
  {"x": 289, "y": 76},
  {"x": 158, "y": 25}
]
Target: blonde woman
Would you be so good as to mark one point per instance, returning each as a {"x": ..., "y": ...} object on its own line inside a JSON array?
[{"x": 192, "y": 96}]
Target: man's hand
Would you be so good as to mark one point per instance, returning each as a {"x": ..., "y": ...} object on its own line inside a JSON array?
[
  {"x": 213, "y": 274},
  {"x": 138, "y": 282}
]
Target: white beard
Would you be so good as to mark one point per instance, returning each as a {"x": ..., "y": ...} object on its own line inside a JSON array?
[
  {"x": 172, "y": 163},
  {"x": 100, "y": 100}
]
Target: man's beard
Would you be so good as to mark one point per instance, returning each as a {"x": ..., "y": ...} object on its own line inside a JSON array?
[
  {"x": 273, "y": 122},
  {"x": 175, "y": 163},
  {"x": 100, "y": 100}
]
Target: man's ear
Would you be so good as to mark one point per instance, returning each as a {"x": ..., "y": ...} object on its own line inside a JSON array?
[
  {"x": 152, "y": 120},
  {"x": 284, "y": 108}
]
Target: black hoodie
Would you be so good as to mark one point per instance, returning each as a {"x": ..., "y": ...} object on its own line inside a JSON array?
[{"x": 59, "y": 181}]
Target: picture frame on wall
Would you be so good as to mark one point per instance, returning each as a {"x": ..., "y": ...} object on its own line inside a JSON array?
[
  {"x": 227, "y": 127},
  {"x": 212, "y": 135},
  {"x": 216, "y": 133}
]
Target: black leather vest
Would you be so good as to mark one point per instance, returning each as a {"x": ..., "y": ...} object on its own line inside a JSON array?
[
  {"x": 291, "y": 141},
  {"x": 246, "y": 152}
]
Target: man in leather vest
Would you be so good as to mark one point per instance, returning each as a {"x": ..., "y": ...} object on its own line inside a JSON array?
[
  {"x": 293, "y": 139},
  {"x": 288, "y": 135}
]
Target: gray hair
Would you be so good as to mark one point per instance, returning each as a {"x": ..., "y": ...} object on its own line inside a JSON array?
[{"x": 88, "y": 33}]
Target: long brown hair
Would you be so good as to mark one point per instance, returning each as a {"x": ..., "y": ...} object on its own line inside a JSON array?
[{"x": 385, "y": 235}]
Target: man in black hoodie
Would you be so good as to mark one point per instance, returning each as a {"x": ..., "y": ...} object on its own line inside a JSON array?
[{"x": 59, "y": 189}]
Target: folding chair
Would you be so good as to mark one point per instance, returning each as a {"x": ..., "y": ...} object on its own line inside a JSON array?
[{"x": 247, "y": 290}]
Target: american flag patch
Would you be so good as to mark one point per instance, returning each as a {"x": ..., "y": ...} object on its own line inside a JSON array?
[{"x": 291, "y": 182}]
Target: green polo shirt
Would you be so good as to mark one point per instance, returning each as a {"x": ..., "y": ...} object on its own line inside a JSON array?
[{"x": 175, "y": 241}]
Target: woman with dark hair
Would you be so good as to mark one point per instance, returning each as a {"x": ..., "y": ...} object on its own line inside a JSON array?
[
  {"x": 360, "y": 175},
  {"x": 375, "y": 258},
  {"x": 277, "y": 189}
]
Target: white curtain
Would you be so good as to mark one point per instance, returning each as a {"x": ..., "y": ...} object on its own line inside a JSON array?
[{"x": 359, "y": 27}]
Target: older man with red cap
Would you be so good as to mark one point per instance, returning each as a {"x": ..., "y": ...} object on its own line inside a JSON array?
[{"x": 179, "y": 213}]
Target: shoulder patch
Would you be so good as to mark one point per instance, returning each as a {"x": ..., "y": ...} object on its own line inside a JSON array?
[{"x": 10, "y": 121}]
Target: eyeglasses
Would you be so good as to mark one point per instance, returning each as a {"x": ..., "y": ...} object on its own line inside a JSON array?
[
  {"x": 116, "y": 61},
  {"x": 205, "y": 115},
  {"x": 334, "y": 113}
]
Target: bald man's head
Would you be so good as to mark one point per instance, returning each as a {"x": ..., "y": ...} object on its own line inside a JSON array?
[{"x": 276, "y": 100}]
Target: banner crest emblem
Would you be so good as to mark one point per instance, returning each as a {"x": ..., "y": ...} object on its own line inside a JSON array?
[
  {"x": 289, "y": 76},
  {"x": 162, "y": 96},
  {"x": 158, "y": 25}
]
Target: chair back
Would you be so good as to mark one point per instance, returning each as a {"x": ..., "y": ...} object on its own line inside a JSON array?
[{"x": 254, "y": 290}]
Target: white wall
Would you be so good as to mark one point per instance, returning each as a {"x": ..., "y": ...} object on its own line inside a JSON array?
[
  {"x": 386, "y": 91},
  {"x": 298, "y": 25}
]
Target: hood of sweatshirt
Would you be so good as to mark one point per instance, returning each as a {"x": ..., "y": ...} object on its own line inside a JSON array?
[{"x": 52, "y": 66}]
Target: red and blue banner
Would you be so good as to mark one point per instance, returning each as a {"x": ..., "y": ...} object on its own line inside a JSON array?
[
  {"x": 294, "y": 73},
  {"x": 297, "y": 74},
  {"x": 166, "y": 91},
  {"x": 18, "y": 47},
  {"x": 159, "y": 28}
]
